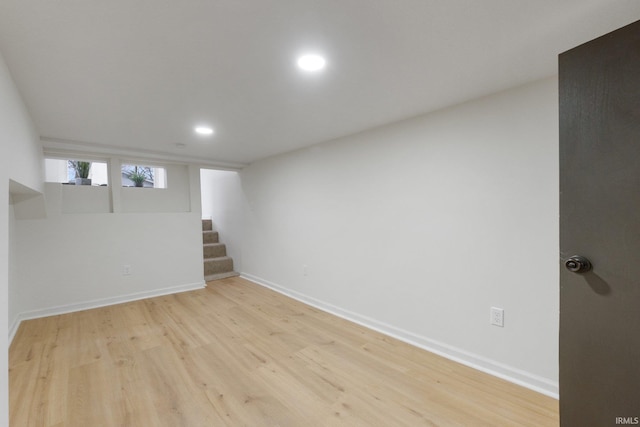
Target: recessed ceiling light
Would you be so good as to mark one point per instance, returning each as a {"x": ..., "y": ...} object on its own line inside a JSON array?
[
  {"x": 203, "y": 130},
  {"x": 311, "y": 62}
]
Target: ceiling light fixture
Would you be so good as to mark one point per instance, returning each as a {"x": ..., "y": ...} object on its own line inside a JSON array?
[
  {"x": 203, "y": 130},
  {"x": 311, "y": 62}
]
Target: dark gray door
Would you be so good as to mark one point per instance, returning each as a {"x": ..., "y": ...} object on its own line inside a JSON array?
[{"x": 600, "y": 220}]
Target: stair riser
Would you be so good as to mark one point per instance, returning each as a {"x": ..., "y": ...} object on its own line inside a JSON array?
[
  {"x": 207, "y": 225},
  {"x": 220, "y": 276},
  {"x": 215, "y": 251},
  {"x": 218, "y": 266},
  {"x": 210, "y": 237}
]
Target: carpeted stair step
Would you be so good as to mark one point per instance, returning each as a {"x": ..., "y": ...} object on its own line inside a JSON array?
[
  {"x": 218, "y": 265},
  {"x": 210, "y": 237},
  {"x": 214, "y": 250}
]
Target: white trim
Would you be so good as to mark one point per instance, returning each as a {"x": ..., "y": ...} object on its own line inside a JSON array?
[
  {"x": 86, "y": 305},
  {"x": 491, "y": 367},
  {"x": 13, "y": 328}
]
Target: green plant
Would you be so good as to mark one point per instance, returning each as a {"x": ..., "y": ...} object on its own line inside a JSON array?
[
  {"x": 138, "y": 177},
  {"x": 81, "y": 168}
]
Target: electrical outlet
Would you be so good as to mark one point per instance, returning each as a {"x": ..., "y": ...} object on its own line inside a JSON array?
[
  {"x": 497, "y": 316},
  {"x": 126, "y": 270}
]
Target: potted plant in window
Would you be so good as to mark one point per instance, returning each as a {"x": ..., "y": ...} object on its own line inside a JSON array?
[
  {"x": 138, "y": 177},
  {"x": 82, "y": 172}
]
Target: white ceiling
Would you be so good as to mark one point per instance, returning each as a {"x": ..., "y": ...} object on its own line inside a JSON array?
[{"x": 137, "y": 75}]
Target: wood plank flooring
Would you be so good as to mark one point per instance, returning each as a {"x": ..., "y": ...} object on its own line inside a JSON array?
[{"x": 238, "y": 354}]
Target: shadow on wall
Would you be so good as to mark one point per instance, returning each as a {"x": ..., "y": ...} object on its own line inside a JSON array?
[{"x": 27, "y": 203}]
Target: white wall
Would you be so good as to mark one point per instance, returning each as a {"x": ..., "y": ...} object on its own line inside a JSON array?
[
  {"x": 75, "y": 261},
  {"x": 14, "y": 303},
  {"x": 223, "y": 203},
  {"x": 4, "y": 302},
  {"x": 419, "y": 227},
  {"x": 174, "y": 198},
  {"x": 78, "y": 198},
  {"x": 21, "y": 161},
  {"x": 75, "y": 258}
]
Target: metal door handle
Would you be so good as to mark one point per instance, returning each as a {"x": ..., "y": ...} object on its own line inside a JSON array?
[{"x": 578, "y": 264}]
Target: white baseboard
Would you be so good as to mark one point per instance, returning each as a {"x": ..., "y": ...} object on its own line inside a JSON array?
[
  {"x": 13, "y": 328},
  {"x": 85, "y": 305},
  {"x": 491, "y": 367}
]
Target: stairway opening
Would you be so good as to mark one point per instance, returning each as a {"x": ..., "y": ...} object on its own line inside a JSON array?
[{"x": 221, "y": 196}]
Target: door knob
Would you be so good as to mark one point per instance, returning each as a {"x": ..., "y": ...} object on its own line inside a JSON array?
[{"x": 578, "y": 264}]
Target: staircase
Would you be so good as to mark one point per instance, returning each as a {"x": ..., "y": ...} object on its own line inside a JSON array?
[{"x": 217, "y": 265}]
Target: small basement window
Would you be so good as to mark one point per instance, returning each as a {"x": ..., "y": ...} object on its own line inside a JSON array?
[
  {"x": 144, "y": 176},
  {"x": 67, "y": 170}
]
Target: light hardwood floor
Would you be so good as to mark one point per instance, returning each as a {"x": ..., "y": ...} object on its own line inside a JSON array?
[{"x": 238, "y": 354}]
